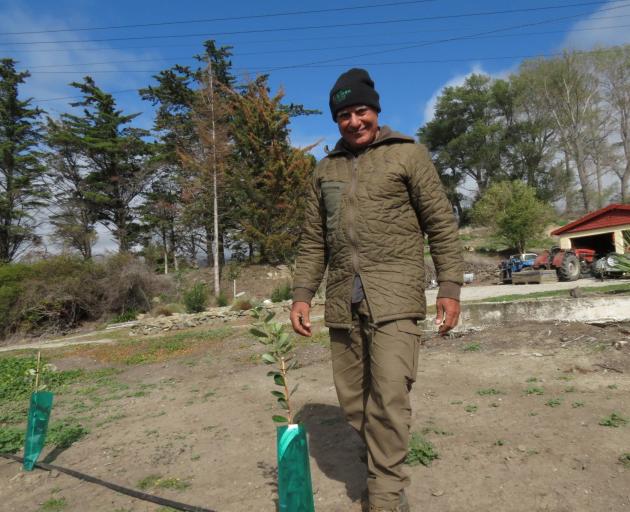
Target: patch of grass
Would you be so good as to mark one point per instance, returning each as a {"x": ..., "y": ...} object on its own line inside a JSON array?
[
  {"x": 553, "y": 402},
  {"x": 53, "y": 505},
  {"x": 489, "y": 392},
  {"x": 63, "y": 434},
  {"x": 613, "y": 420},
  {"x": 11, "y": 439},
  {"x": 471, "y": 347},
  {"x": 532, "y": 379},
  {"x": 611, "y": 289},
  {"x": 533, "y": 390},
  {"x": 570, "y": 389},
  {"x": 421, "y": 451},
  {"x": 159, "y": 482},
  {"x": 14, "y": 385},
  {"x": 471, "y": 408},
  {"x": 624, "y": 460},
  {"x": 111, "y": 419},
  {"x": 576, "y": 405}
]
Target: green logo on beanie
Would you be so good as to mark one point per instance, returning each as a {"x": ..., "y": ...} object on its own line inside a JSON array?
[{"x": 341, "y": 95}]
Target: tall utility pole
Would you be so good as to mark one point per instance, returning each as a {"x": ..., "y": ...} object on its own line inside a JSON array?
[{"x": 215, "y": 195}]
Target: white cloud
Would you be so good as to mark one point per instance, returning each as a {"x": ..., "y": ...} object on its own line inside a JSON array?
[
  {"x": 66, "y": 56},
  {"x": 601, "y": 32}
]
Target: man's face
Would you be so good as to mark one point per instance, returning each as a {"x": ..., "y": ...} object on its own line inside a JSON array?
[{"x": 358, "y": 125}]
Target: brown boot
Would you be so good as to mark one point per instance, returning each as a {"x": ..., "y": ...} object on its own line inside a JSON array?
[{"x": 403, "y": 505}]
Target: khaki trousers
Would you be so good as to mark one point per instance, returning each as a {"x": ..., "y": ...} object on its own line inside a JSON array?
[{"x": 374, "y": 367}]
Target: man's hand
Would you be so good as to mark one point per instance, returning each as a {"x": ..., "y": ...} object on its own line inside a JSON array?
[
  {"x": 300, "y": 320},
  {"x": 447, "y": 314}
]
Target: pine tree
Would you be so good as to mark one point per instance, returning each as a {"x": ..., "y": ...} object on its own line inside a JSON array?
[
  {"x": 22, "y": 191},
  {"x": 116, "y": 159},
  {"x": 268, "y": 177}
]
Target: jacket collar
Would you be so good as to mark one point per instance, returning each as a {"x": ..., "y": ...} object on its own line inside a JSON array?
[{"x": 385, "y": 136}]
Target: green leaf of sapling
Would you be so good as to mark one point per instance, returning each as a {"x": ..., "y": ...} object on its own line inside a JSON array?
[
  {"x": 279, "y": 419},
  {"x": 283, "y": 403},
  {"x": 258, "y": 333},
  {"x": 295, "y": 388},
  {"x": 268, "y": 358},
  {"x": 279, "y": 379},
  {"x": 278, "y": 394}
]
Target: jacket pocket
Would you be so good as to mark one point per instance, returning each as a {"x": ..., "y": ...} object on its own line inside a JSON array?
[{"x": 332, "y": 192}]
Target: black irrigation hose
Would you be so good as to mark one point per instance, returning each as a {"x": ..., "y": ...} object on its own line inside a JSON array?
[{"x": 118, "y": 488}]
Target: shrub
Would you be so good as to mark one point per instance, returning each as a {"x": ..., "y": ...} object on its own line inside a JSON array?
[
  {"x": 282, "y": 292},
  {"x": 127, "y": 316},
  {"x": 63, "y": 434},
  {"x": 196, "y": 299},
  {"x": 59, "y": 293},
  {"x": 222, "y": 300},
  {"x": 242, "y": 304}
]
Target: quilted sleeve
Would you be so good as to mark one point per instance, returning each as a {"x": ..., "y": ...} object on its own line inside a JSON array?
[
  {"x": 437, "y": 221},
  {"x": 311, "y": 259}
]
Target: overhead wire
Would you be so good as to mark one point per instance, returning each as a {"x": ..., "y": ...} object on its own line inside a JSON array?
[
  {"x": 227, "y": 18},
  {"x": 298, "y": 50},
  {"x": 328, "y": 26}
]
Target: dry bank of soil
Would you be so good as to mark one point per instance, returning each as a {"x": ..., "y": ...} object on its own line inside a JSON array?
[{"x": 202, "y": 415}]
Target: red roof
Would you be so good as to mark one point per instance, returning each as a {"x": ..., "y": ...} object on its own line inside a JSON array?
[{"x": 611, "y": 215}]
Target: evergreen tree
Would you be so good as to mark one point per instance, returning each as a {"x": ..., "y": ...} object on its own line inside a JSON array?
[
  {"x": 22, "y": 191},
  {"x": 73, "y": 215},
  {"x": 116, "y": 159},
  {"x": 268, "y": 177}
]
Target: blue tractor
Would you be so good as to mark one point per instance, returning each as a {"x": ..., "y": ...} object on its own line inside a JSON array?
[{"x": 516, "y": 263}]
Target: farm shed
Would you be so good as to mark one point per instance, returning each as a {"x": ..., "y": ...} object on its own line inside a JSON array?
[{"x": 604, "y": 230}]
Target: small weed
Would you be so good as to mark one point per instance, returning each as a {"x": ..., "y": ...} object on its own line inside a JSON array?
[
  {"x": 421, "y": 451},
  {"x": 471, "y": 408},
  {"x": 209, "y": 428},
  {"x": 471, "y": 347},
  {"x": 532, "y": 379},
  {"x": 208, "y": 394},
  {"x": 624, "y": 460},
  {"x": 565, "y": 378},
  {"x": 612, "y": 386},
  {"x": 533, "y": 390},
  {"x": 553, "y": 402},
  {"x": 499, "y": 442},
  {"x": 457, "y": 402},
  {"x": 195, "y": 457},
  {"x": 570, "y": 389},
  {"x": 613, "y": 420},
  {"x": 533, "y": 414},
  {"x": 53, "y": 505},
  {"x": 575, "y": 405},
  {"x": 493, "y": 404},
  {"x": 432, "y": 430},
  {"x": 489, "y": 392}
]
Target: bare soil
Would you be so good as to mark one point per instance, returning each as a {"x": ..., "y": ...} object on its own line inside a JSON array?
[{"x": 201, "y": 413}]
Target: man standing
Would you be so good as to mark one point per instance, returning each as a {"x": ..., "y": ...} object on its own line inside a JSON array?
[{"x": 371, "y": 200}]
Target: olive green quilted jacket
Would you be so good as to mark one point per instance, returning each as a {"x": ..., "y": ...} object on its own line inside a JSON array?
[{"x": 366, "y": 215}]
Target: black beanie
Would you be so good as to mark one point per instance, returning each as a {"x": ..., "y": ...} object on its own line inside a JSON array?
[{"x": 354, "y": 87}]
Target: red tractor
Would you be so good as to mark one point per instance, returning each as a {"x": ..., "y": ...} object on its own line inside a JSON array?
[{"x": 569, "y": 264}]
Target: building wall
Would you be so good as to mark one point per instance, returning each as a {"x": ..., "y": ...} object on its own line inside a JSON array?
[{"x": 565, "y": 239}]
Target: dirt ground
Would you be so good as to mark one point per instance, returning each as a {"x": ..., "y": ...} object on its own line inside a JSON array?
[{"x": 514, "y": 413}]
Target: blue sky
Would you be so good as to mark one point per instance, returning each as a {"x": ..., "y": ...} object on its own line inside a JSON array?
[{"x": 412, "y": 49}]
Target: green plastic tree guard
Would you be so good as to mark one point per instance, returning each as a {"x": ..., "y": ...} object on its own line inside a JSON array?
[
  {"x": 38, "y": 416},
  {"x": 295, "y": 489}
]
